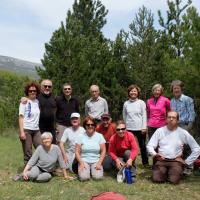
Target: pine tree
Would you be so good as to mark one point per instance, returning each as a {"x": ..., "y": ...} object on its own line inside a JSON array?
[
  {"x": 77, "y": 51},
  {"x": 172, "y": 32},
  {"x": 146, "y": 57}
]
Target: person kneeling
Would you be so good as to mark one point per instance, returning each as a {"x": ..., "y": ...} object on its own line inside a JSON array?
[
  {"x": 43, "y": 162},
  {"x": 169, "y": 141},
  {"x": 90, "y": 151},
  {"x": 123, "y": 148}
]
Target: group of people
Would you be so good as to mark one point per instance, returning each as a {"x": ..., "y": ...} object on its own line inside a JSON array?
[{"x": 53, "y": 126}]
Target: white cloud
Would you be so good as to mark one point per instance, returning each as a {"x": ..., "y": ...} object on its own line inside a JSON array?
[{"x": 25, "y": 25}]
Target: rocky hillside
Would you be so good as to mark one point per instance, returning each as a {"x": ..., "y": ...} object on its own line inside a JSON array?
[{"x": 19, "y": 66}]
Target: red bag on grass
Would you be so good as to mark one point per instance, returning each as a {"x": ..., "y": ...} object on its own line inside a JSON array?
[{"x": 108, "y": 196}]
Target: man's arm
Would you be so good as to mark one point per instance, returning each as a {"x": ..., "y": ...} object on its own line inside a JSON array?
[{"x": 194, "y": 148}]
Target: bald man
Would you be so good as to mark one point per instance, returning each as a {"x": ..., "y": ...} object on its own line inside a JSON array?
[{"x": 96, "y": 106}]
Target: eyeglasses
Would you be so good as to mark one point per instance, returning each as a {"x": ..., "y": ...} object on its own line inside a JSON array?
[
  {"x": 32, "y": 91},
  {"x": 66, "y": 88},
  {"x": 48, "y": 86},
  {"x": 90, "y": 125},
  {"x": 120, "y": 129}
]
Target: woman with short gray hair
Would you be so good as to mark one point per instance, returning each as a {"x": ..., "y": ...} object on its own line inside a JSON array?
[
  {"x": 44, "y": 160},
  {"x": 157, "y": 108}
]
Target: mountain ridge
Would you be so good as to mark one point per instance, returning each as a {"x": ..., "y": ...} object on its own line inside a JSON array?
[{"x": 19, "y": 66}]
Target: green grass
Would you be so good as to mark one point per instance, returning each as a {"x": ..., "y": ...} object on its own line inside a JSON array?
[{"x": 58, "y": 188}]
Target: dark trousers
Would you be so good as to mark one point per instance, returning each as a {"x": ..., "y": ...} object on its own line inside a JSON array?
[
  {"x": 167, "y": 171},
  {"x": 52, "y": 131},
  {"x": 32, "y": 138},
  {"x": 151, "y": 131},
  {"x": 141, "y": 138}
]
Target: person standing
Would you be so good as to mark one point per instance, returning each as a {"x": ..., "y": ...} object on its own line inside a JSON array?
[
  {"x": 29, "y": 114},
  {"x": 96, "y": 106},
  {"x": 66, "y": 105},
  {"x": 183, "y": 105},
  {"x": 47, "y": 104},
  {"x": 166, "y": 146},
  {"x": 157, "y": 108},
  {"x": 134, "y": 115}
]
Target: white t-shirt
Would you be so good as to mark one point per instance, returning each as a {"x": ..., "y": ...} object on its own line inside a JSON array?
[
  {"x": 170, "y": 144},
  {"x": 31, "y": 113},
  {"x": 90, "y": 146},
  {"x": 70, "y": 136}
]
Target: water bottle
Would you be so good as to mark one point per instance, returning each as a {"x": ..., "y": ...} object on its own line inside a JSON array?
[{"x": 128, "y": 175}]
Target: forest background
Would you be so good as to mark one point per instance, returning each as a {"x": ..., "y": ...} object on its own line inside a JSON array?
[{"x": 79, "y": 53}]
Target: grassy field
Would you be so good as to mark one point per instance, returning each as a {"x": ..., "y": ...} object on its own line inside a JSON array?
[{"x": 58, "y": 188}]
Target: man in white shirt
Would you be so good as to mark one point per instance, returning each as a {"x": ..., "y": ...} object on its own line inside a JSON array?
[
  {"x": 96, "y": 106},
  {"x": 166, "y": 147}
]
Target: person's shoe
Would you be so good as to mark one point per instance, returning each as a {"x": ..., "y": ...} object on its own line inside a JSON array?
[
  {"x": 18, "y": 177},
  {"x": 187, "y": 171}
]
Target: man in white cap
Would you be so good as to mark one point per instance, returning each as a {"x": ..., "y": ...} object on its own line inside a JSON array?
[{"x": 69, "y": 137}]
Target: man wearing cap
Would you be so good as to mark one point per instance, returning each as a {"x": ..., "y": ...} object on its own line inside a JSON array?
[
  {"x": 96, "y": 105},
  {"x": 69, "y": 138},
  {"x": 107, "y": 129},
  {"x": 66, "y": 105}
]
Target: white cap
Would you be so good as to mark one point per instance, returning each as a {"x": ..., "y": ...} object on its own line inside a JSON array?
[{"x": 75, "y": 115}]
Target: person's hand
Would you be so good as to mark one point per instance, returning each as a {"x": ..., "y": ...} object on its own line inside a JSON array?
[
  {"x": 179, "y": 159},
  {"x": 22, "y": 136},
  {"x": 144, "y": 131},
  {"x": 66, "y": 160},
  {"x": 119, "y": 164},
  {"x": 159, "y": 157},
  {"x": 129, "y": 163},
  {"x": 98, "y": 166},
  {"x": 24, "y": 100},
  {"x": 25, "y": 176},
  {"x": 82, "y": 166}
]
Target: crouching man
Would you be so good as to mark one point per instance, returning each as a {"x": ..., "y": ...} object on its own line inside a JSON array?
[{"x": 166, "y": 147}]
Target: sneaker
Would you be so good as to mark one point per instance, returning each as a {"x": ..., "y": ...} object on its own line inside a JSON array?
[
  {"x": 18, "y": 177},
  {"x": 121, "y": 175},
  {"x": 187, "y": 171}
]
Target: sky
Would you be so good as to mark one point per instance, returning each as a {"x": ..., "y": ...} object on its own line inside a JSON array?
[{"x": 26, "y": 25}]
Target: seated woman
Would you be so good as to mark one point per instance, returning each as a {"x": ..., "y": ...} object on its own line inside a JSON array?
[
  {"x": 69, "y": 137},
  {"x": 90, "y": 151},
  {"x": 123, "y": 148},
  {"x": 43, "y": 162}
]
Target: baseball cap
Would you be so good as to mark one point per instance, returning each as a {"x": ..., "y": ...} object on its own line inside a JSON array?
[
  {"x": 105, "y": 115},
  {"x": 75, "y": 115}
]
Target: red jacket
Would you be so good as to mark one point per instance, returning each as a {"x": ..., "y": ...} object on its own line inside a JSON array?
[{"x": 118, "y": 145}]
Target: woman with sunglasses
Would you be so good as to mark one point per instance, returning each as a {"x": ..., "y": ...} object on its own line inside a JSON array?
[
  {"x": 90, "y": 151},
  {"x": 29, "y": 113},
  {"x": 123, "y": 148}
]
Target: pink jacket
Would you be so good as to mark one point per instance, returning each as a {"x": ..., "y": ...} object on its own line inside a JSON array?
[{"x": 156, "y": 112}]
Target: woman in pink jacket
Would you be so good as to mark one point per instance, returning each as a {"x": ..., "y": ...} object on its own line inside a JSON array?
[{"x": 157, "y": 108}]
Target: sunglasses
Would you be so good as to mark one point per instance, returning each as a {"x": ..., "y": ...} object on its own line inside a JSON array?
[
  {"x": 90, "y": 125},
  {"x": 66, "y": 88},
  {"x": 32, "y": 91},
  {"x": 120, "y": 129},
  {"x": 47, "y": 86}
]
